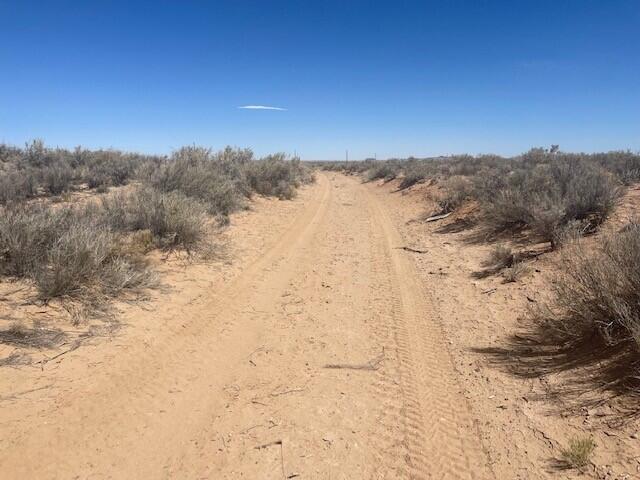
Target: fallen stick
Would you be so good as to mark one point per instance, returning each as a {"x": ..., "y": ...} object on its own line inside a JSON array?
[
  {"x": 372, "y": 364},
  {"x": 293, "y": 390},
  {"x": 437, "y": 217},
  {"x": 414, "y": 250},
  {"x": 270, "y": 444}
]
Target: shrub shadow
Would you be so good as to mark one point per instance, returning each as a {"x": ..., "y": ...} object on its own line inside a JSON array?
[
  {"x": 19, "y": 336},
  {"x": 602, "y": 372},
  {"x": 459, "y": 225}
]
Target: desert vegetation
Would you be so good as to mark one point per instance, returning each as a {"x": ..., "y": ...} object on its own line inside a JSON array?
[
  {"x": 543, "y": 196},
  {"x": 94, "y": 249},
  {"x": 545, "y": 192}
]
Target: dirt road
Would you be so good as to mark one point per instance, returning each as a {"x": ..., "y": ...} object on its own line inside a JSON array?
[{"x": 321, "y": 358}]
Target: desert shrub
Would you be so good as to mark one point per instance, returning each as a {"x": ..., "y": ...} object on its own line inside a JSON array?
[
  {"x": 224, "y": 180},
  {"x": 73, "y": 260},
  {"x": 172, "y": 219},
  {"x": 56, "y": 179},
  {"x": 348, "y": 168},
  {"x": 108, "y": 168},
  {"x": 598, "y": 288},
  {"x": 487, "y": 182},
  {"x": 625, "y": 165},
  {"x": 275, "y": 176},
  {"x": 546, "y": 197},
  {"x": 416, "y": 174},
  {"x": 26, "y": 234},
  {"x": 25, "y": 172},
  {"x": 382, "y": 170},
  {"x": 455, "y": 191},
  {"x": 66, "y": 252},
  {"x": 17, "y": 186},
  {"x": 194, "y": 172}
]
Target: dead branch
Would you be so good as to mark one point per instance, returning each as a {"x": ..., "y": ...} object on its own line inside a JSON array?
[
  {"x": 293, "y": 390},
  {"x": 414, "y": 250},
  {"x": 372, "y": 364},
  {"x": 270, "y": 444},
  {"x": 437, "y": 217}
]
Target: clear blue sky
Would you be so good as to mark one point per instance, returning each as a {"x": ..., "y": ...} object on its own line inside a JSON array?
[{"x": 394, "y": 78}]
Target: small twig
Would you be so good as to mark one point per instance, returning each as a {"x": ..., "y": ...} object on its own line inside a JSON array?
[
  {"x": 44, "y": 361},
  {"x": 437, "y": 217},
  {"x": 414, "y": 250},
  {"x": 293, "y": 390},
  {"x": 250, "y": 428},
  {"x": 270, "y": 444},
  {"x": 372, "y": 364}
]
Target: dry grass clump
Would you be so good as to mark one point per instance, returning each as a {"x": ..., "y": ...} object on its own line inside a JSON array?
[
  {"x": 500, "y": 257},
  {"x": 503, "y": 259},
  {"x": 598, "y": 288},
  {"x": 515, "y": 272},
  {"x": 578, "y": 453}
]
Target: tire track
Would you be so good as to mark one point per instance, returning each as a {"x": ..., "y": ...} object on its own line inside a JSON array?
[
  {"x": 245, "y": 366},
  {"x": 439, "y": 437}
]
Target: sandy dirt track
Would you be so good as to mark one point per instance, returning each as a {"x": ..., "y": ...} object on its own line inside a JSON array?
[{"x": 320, "y": 357}]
